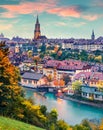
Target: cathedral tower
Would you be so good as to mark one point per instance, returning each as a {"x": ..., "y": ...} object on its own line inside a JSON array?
[
  {"x": 93, "y": 35},
  {"x": 37, "y": 32}
]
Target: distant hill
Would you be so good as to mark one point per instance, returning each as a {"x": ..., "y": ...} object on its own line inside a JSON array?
[{"x": 10, "y": 124}]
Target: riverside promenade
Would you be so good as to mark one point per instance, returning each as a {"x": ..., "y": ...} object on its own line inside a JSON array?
[{"x": 90, "y": 103}]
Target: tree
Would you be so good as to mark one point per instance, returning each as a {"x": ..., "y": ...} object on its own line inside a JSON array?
[
  {"x": 30, "y": 53},
  {"x": 101, "y": 125},
  {"x": 80, "y": 127},
  {"x": 83, "y": 55},
  {"x": 43, "y": 48},
  {"x": 61, "y": 125},
  {"x": 77, "y": 86},
  {"x": 49, "y": 78},
  {"x": 43, "y": 109},
  {"x": 91, "y": 57},
  {"x": 61, "y": 82},
  {"x": 53, "y": 116},
  {"x": 10, "y": 92},
  {"x": 98, "y": 59},
  {"x": 86, "y": 123},
  {"x": 66, "y": 78},
  {"x": 36, "y": 60}
]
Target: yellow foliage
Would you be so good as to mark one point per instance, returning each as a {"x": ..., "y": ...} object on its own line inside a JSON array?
[
  {"x": 21, "y": 116},
  {"x": 98, "y": 58}
]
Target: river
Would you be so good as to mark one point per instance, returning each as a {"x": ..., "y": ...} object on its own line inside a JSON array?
[{"x": 71, "y": 112}]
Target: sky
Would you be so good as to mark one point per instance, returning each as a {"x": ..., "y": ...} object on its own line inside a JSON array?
[{"x": 58, "y": 18}]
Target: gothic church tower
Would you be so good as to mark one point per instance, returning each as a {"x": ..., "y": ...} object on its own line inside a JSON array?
[
  {"x": 37, "y": 32},
  {"x": 93, "y": 35}
]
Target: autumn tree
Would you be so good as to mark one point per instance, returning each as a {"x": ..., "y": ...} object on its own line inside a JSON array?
[
  {"x": 36, "y": 60},
  {"x": 101, "y": 125},
  {"x": 9, "y": 76}
]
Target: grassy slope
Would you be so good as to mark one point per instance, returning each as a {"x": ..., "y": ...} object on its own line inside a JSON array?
[{"x": 9, "y": 124}]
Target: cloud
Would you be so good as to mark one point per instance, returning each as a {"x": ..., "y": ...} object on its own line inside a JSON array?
[
  {"x": 61, "y": 24},
  {"x": 49, "y": 6},
  {"x": 91, "y": 17},
  {"x": 5, "y": 26},
  {"x": 79, "y": 24},
  {"x": 27, "y": 8},
  {"x": 65, "y": 11}
]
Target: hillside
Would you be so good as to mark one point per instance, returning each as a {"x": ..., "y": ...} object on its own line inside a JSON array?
[{"x": 10, "y": 124}]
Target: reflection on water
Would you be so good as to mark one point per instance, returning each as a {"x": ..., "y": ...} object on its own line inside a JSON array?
[{"x": 71, "y": 112}]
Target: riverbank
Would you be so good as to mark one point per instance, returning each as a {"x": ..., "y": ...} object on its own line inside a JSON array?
[
  {"x": 42, "y": 93},
  {"x": 86, "y": 102},
  {"x": 81, "y": 100}
]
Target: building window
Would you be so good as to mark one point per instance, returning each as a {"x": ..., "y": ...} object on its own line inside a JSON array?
[
  {"x": 90, "y": 94},
  {"x": 30, "y": 81},
  {"x": 25, "y": 80},
  {"x": 84, "y": 94},
  {"x": 96, "y": 96},
  {"x": 34, "y": 82}
]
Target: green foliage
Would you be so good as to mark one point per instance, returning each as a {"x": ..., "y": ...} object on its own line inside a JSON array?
[
  {"x": 84, "y": 56},
  {"x": 80, "y": 127},
  {"x": 52, "y": 127},
  {"x": 43, "y": 109},
  {"x": 43, "y": 48},
  {"x": 61, "y": 125},
  {"x": 77, "y": 86},
  {"x": 86, "y": 123},
  {"x": 53, "y": 116}
]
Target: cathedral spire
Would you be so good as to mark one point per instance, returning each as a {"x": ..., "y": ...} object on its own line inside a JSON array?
[
  {"x": 93, "y": 35},
  {"x": 37, "y": 32},
  {"x": 37, "y": 20}
]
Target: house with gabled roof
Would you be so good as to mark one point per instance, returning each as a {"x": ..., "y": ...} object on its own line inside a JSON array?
[
  {"x": 90, "y": 78},
  {"x": 57, "y": 68},
  {"x": 92, "y": 93},
  {"x": 32, "y": 79}
]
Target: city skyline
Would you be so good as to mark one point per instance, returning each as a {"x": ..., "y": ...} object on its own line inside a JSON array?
[{"x": 58, "y": 19}]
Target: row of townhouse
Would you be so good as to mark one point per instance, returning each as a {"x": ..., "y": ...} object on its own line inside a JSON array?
[
  {"x": 56, "y": 69},
  {"x": 92, "y": 85},
  {"x": 92, "y": 93},
  {"x": 86, "y": 47},
  {"x": 90, "y": 78},
  {"x": 88, "y": 92}
]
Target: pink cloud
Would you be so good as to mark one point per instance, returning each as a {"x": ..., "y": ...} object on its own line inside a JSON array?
[
  {"x": 65, "y": 11},
  {"x": 49, "y": 6},
  {"x": 27, "y": 8},
  {"x": 90, "y": 17}
]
